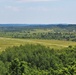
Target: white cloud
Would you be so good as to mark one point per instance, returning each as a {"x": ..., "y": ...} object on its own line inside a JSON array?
[
  {"x": 44, "y": 9},
  {"x": 28, "y": 1},
  {"x": 13, "y": 8},
  {"x": 17, "y": 9},
  {"x": 35, "y": 0},
  {"x": 39, "y": 9}
]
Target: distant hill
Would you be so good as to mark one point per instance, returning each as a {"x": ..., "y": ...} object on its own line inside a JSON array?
[{"x": 2, "y": 25}]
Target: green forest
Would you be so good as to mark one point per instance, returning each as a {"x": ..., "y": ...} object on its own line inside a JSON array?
[{"x": 38, "y": 59}]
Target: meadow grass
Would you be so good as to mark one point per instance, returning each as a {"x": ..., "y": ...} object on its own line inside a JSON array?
[{"x": 9, "y": 42}]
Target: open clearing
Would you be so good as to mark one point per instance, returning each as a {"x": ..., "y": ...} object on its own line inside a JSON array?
[{"x": 9, "y": 42}]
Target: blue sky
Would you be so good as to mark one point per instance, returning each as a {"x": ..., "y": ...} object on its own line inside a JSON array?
[{"x": 37, "y": 11}]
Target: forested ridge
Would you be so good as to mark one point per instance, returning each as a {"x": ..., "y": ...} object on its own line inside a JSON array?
[{"x": 38, "y": 60}]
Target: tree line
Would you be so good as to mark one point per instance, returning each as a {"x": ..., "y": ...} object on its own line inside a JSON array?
[{"x": 58, "y": 32}]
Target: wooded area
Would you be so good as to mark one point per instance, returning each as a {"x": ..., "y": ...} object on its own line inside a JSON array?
[
  {"x": 57, "y": 32},
  {"x": 38, "y": 60}
]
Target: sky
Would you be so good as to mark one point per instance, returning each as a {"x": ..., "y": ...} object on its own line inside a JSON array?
[{"x": 37, "y": 11}]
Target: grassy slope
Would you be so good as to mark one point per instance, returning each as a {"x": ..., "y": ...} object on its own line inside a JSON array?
[{"x": 8, "y": 42}]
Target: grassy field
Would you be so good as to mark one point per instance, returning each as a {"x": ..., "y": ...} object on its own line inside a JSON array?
[{"x": 9, "y": 42}]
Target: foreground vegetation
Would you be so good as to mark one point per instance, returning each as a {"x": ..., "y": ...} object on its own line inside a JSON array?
[{"x": 38, "y": 60}]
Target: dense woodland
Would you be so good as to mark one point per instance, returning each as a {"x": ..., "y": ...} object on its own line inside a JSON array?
[
  {"x": 59, "y": 32},
  {"x": 38, "y": 60}
]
